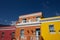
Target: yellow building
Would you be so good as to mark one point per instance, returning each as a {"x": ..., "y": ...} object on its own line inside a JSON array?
[{"x": 50, "y": 28}]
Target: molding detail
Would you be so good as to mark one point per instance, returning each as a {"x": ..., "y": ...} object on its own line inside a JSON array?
[
  {"x": 28, "y": 24},
  {"x": 34, "y": 14}
]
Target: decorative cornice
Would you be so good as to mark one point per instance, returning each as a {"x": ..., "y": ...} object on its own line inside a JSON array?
[
  {"x": 34, "y": 14},
  {"x": 28, "y": 24},
  {"x": 53, "y": 19},
  {"x": 8, "y": 29}
]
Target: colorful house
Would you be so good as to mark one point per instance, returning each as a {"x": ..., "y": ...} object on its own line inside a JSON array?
[
  {"x": 50, "y": 28},
  {"x": 28, "y": 27},
  {"x": 32, "y": 27},
  {"x": 7, "y": 32}
]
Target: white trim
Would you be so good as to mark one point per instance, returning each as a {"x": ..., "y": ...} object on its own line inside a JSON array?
[
  {"x": 50, "y": 18},
  {"x": 51, "y": 21},
  {"x": 52, "y": 32},
  {"x": 17, "y": 26},
  {"x": 33, "y": 23},
  {"x": 34, "y": 14},
  {"x": 8, "y": 29},
  {"x": 28, "y": 23}
]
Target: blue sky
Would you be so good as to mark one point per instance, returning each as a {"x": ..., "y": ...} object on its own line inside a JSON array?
[{"x": 10, "y": 10}]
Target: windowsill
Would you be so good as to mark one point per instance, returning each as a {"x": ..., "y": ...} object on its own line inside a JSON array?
[
  {"x": 59, "y": 32},
  {"x": 52, "y": 32}
]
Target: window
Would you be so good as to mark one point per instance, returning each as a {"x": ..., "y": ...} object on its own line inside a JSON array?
[
  {"x": 51, "y": 28},
  {"x": 59, "y": 30},
  {"x": 3, "y": 34},
  {"x": 24, "y": 21},
  {"x": 37, "y": 18},
  {"x": 38, "y": 31},
  {"x": 22, "y": 33},
  {"x": 13, "y": 34}
]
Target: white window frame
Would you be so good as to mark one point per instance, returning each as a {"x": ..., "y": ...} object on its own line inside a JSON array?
[
  {"x": 51, "y": 29},
  {"x": 22, "y": 33}
]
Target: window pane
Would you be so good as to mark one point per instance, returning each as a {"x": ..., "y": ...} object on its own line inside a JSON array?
[
  {"x": 22, "y": 33},
  {"x": 13, "y": 34},
  {"x": 51, "y": 28},
  {"x": 24, "y": 20},
  {"x": 3, "y": 34}
]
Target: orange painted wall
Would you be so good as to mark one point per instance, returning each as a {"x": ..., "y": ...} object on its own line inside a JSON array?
[
  {"x": 29, "y": 28},
  {"x": 27, "y": 34}
]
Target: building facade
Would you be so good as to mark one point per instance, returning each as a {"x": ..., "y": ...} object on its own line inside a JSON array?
[
  {"x": 32, "y": 27},
  {"x": 50, "y": 28},
  {"x": 7, "y": 32},
  {"x": 28, "y": 27}
]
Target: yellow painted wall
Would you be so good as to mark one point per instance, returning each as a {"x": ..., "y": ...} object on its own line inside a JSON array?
[{"x": 45, "y": 33}]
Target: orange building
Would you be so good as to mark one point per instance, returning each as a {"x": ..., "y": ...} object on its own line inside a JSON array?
[{"x": 28, "y": 27}]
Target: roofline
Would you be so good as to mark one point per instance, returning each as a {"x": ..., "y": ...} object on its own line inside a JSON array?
[
  {"x": 33, "y": 14},
  {"x": 50, "y": 18}
]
